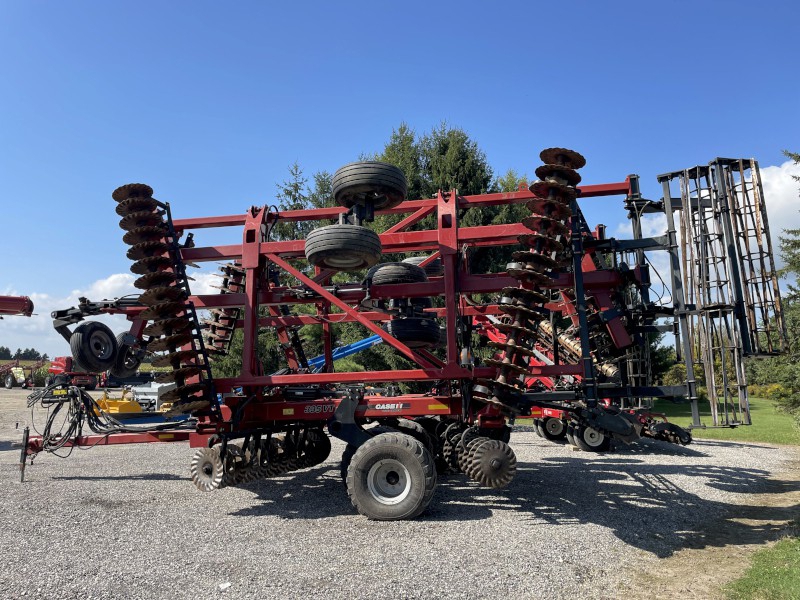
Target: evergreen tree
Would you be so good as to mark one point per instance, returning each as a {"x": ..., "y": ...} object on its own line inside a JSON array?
[{"x": 785, "y": 370}]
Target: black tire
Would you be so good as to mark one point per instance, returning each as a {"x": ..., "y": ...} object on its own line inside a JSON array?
[
  {"x": 94, "y": 347},
  {"x": 553, "y": 429},
  {"x": 48, "y": 381},
  {"x": 391, "y": 477},
  {"x": 343, "y": 247},
  {"x": 350, "y": 450},
  {"x": 590, "y": 440},
  {"x": 89, "y": 387},
  {"x": 382, "y": 184},
  {"x": 537, "y": 427},
  {"x": 432, "y": 269},
  {"x": 127, "y": 361},
  {"x": 415, "y": 332},
  {"x": 417, "y": 431},
  {"x": 394, "y": 272},
  {"x": 10, "y": 381}
]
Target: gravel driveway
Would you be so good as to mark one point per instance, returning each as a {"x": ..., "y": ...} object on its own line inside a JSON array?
[{"x": 126, "y": 522}]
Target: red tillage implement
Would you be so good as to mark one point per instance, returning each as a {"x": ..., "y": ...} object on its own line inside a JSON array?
[{"x": 558, "y": 333}]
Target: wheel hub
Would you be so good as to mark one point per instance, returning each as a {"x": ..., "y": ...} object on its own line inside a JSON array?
[{"x": 388, "y": 481}]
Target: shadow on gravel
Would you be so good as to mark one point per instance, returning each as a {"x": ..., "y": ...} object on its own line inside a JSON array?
[
  {"x": 643, "y": 504},
  {"x": 315, "y": 493},
  {"x": 5, "y": 445}
]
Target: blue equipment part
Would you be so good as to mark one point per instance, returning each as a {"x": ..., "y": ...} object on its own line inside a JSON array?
[{"x": 316, "y": 363}]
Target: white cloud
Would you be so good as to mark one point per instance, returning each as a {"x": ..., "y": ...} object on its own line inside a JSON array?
[
  {"x": 37, "y": 331},
  {"x": 782, "y": 196}
]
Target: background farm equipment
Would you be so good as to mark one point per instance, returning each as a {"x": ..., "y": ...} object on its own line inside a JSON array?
[
  {"x": 560, "y": 333},
  {"x": 16, "y": 305},
  {"x": 14, "y": 373}
]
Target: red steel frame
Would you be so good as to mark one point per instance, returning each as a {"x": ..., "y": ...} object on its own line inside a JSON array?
[{"x": 445, "y": 241}]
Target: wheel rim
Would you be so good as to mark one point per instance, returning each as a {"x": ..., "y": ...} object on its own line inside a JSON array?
[
  {"x": 554, "y": 426},
  {"x": 592, "y": 437},
  {"x": 389, "y": 481},
  {"x": 344, "y": 261},
  {"x": 101, "y": 346}
]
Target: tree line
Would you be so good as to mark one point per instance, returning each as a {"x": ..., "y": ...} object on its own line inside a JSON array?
[{"x": 20, "y": 354}]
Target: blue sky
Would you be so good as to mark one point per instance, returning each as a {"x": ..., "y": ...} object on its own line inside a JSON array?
[{"x": 210, "y": 102}]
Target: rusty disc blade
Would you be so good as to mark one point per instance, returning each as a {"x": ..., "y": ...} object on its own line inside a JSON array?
[
  {"x": 161, "y": 294},
  {"x": 168, "y": 326},
  {"x": 532, "y": 258},
  {"x": 184, "y": 407},
  {"x": 545, "y": 225},
  {"x": 507, "y": 365},
  {"x": 134, "y": 205},
  {"x": 152, "y": 264},
  {"x": 171, "y": 342},
  {"x": 529, "y": 297},
  {"x": 140, "y": 219},
  {"x": 155, "y": 279},
  {"x": 519, "y": 309},
  {"x": 213, "y": 324},
  {"x": 146, "y": 250},
  {"x": 558, "y": 173},
  {"x": 215, "y": 337},
  {"x": 560, "y": 193},
  {"x": 511, "y": 348},
  {"x": 183, "y": 392},
  {"x": 515, "y": 329},
  {"x": 156, "y": 233},
  {"x": 540, "y": 243},
  {"x": 529, "y": 275},
  {"x": 544, "y": 206},
  {"x": 174, "y": 359},
  {"x": 132, "y": 190},
  {"x": 162, "y": 310},
  {"x": 215, "y": 350},
  {"x": 562, "y": 156},
  {"x": 182, "y": 373}
]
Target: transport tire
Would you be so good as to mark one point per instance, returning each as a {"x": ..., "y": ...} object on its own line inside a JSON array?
[
  {"x": 590, "y": 440},
  {"x": 10, "y": 381},
  {"x": 553, "y": 429},
  {"x": 396, "y": 272},
  {"x": 127, "y": 361},
  {"x": 343, "y": 247},
  {"x": 48, "y": 381},
  {"x": 537, "y": 427},
  {"x": 391, "y": 477},
  {"x": 94, "y": 347},
  {"x": 382, "y": 184},
  {"x": 432, "y": 269},
  {"x": 414, "y": 332}
]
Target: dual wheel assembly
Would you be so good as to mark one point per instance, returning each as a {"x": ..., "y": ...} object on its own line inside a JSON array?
[{"x": 581, "y": 436}]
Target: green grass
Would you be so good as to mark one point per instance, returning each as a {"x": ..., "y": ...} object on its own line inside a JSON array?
[
  {"x": 770, "y": 425},
  {"x": 774, "y": 574}
]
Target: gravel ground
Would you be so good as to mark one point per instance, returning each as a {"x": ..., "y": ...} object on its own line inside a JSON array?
[{"x": 126, "y": 522}]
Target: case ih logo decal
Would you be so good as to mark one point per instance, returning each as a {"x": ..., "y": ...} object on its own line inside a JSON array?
[{"x": 389, "y": 406}]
